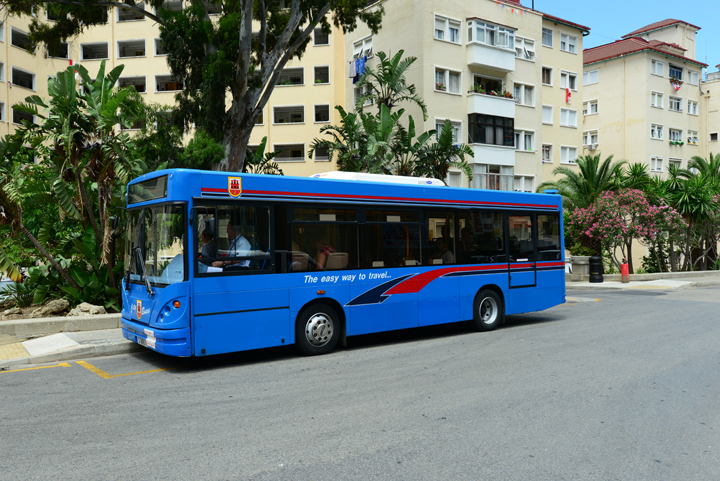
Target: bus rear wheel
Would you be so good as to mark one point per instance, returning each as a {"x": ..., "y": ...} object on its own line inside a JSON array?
[
  {"x": 317, "y": 330},
  {"x": 488, "y": 311}
]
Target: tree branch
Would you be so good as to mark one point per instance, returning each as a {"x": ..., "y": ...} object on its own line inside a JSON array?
[{"x": 100, "y": 3}]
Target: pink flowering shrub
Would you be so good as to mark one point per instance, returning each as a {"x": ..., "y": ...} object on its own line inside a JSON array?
[{"x": 616, "y": 218}]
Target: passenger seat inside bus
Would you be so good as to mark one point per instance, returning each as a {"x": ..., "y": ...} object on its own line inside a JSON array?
[
  {"x": 300, "y": 261},
  {"x": 337, "y": 260}
]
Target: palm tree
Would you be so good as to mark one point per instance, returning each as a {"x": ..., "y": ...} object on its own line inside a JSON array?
[
  {"x": 260, "y": 162},
  {"x": 581, "y": 189},
  {"x": 387, "y": 84},
  {"x": 709, "y": 167}
]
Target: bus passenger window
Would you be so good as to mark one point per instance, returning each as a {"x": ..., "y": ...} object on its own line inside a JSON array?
[
  {"x": 324, "y": 239},
  {"x": 440, "y": 238},
  {"x": 392, "y": 239},
  {"x": 549, "y": 237},
  {"x": 522, "y": 247},
  {"x": 481, "y": 238}
]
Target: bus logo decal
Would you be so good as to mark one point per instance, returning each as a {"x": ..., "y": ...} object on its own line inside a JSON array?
[
  {"x": 139, "y": 309},
  {"x": 375, "y": 295},
  {"x": 235, "y": 186}
]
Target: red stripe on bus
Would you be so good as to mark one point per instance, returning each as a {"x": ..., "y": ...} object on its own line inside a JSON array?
[
  {"x": 550, "y": 264},
  {"x": 416, "y": 283},
  {"x": 522, "y": 266}
]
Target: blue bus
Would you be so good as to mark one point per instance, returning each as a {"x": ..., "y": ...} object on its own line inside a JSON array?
[{"x": 219, "y": 262}]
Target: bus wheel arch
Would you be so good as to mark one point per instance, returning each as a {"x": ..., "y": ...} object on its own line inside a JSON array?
[
  {"x": 488, "y": 308},
  {"x": 319, "y": 326}
]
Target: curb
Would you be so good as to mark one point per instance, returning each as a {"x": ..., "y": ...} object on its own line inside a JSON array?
[
  {"x": 26, "y": 328},
  {"x": 619, "y": 286},
  {"x": 77, "y": 352}
]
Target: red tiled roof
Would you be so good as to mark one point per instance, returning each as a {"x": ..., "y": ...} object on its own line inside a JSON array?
[
  {"x": 625, "y": 47},
  {"x": 656, "y": 25},
  {"x": 566, "y": 22},
  {"x": 658, "y": 43}
]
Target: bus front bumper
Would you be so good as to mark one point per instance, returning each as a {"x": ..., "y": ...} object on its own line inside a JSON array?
[{"x": 173, "y": 342}]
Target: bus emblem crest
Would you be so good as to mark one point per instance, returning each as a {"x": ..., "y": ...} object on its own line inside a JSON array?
[
  {"x": 235, "y": 186},
  {"x": 139, "y": 309}
]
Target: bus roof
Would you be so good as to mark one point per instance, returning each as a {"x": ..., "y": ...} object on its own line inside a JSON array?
[{"x": 184, "y": 185}]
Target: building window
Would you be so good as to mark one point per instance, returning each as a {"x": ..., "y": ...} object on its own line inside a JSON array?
[
  {"x": 692, "y": 137},
  {"x": 591, "y": 77},
  {"x": 456, "y": 129},
  {"x": 547, "y": 153},
  {"x": 292, "y": 76},
  {"x": 447, "y": 81},
  {"x": 590, "y": 139},
  {"x": 289, "y": 153},
  {"x": 547, "y": 37},
  {"x": 675, "y": 135},
  {"x": 656, "y": 164},
  {"x": 321, "y": 154},
  {"x": 492, "y": 177},
  {"x": 360, "y": 91},
  {"x": 446, "y": 29},
  {"x": 94, "y": 51},
  {"x": 547, "y": 114},
  {"x": 675, "y": 104},
  {"x": 676, "y": 72},
  {"x": 488, "y": 84},
  {"x": 23, "y": 78},
  {"x": 657, "y": 68},
  {"x": 490, "y": 34},
  {"x": 692, "y": 107},
  {"x": 525, "y": 48},
  {"x": 18, "y": 117},
  {"x": 322, "y": 113},
  {"x": 2, "y": 112},
  {"x": 137, "y": 125},
  {"x": 547, "y": 76},
  {"x": 320, "y": 38},
  {"x": 172, "y": 5},
  {"x": 713, "y": 137},
  {"x": 677, "y": 163},
  {"x": 693, "y": 77},
  {"x": 213, "y": 8},
  {"x": 363, "y": 48},
  {"x": 488, "y": 129},
  {"x": 126, "y": 15},
  {"x": 167, "y": 83},
  {"x": 294, "y": 114},
  {"x": 322, "y": 75},
  {"x": 568, "y": 155},
  {"x": 568, "y": 80},
  {"x": 656, "y": 100},
  {"x": 159, "y": 48},
  {"x": 656, "y": 131},
  {"x": 568, "y": 43},
  {"x": 20, "y": 39},
  {"x": 590, "y": 107},
  {"x": 2, "y": 72},
  {"x": 131, "y": 48},
  {"x": 454, "y": 179},
  {"x": 137, "y": 82},
  {"x": 2, "y": 31},
  {"x": 524, "y": 183},
  {"x": 524, "y": 141},
  {"x": 568, "y": 118},
  {"x": 524, "y": 95},
  {"x": 61, "y": 51}
]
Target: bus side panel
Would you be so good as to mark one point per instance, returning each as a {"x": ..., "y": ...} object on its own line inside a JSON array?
[
  {"x": 522, "y": 299},
  {"x": 300, "y": 296},
  {"x": 471, "y": 285},
  {"x": 552, "y": 284},
  {"x": 440, "y": 301},
  {"x": 383, "y": 313},
  {"x": 233, "y": 319}
]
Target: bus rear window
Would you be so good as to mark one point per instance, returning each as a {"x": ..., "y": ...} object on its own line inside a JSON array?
[{"x": 152, "y": 189}]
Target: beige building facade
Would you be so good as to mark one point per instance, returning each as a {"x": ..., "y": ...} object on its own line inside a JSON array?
[
  {"x": 643, "y": 98},
  {"x": 468, "y": 56}
]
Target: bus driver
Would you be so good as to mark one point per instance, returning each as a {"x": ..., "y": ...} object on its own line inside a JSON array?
[{"x": 239, "y": 247}]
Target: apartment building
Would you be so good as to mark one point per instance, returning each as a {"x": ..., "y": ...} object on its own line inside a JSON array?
[
  {"x": 643, "y": 98},
  {"x": 468, "y": 56},
  {"x": 711, "y": 113}
]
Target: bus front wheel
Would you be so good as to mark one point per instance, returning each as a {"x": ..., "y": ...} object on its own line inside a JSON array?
[
  {"x": 317, "y": 330},
  {"x": 489, "y": 310}
]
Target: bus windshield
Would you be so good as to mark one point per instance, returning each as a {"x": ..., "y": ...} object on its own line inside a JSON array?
[{"x": 155, "y": 248}]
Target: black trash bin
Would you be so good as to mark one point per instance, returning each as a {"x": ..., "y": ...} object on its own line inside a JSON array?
[{"x": 596, "y": 269}]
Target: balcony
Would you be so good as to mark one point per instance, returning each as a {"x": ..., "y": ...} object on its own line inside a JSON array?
[
  {"x": 497, "y": 58},
  {"x": 491, "y": 105},
  {"x": 493, "y": 154}
]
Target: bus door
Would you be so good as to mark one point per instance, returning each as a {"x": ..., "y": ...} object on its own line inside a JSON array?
[{"x": 521, "y": 256}]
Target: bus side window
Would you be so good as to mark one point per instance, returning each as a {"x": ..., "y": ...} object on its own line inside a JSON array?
[
  {"x": 324, "y": 239},
  {"x": 548, "y": 245},
  {"x": 481, "y": 238},
  {"x": 440, "y": 238},
  {"x": 522, "y": 245},
  {"x": 392, "y": 239}
]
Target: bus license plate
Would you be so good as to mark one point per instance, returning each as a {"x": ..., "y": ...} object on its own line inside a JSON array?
[{"x": 141, "y": 341}]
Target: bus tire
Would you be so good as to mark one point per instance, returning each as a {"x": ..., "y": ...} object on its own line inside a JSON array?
[
  {"x": 488, "y": 310},
  {"x": 317, "y": 330}
]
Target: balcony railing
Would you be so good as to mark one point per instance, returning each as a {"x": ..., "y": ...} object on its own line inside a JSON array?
[{"x": 498, "y": 58}]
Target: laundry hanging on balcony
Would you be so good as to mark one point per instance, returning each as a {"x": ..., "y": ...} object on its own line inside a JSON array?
[{"x": 357, "y": 68}]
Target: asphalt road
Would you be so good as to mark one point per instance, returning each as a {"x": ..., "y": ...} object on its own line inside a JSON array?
[{"x": 625, "y": 387}]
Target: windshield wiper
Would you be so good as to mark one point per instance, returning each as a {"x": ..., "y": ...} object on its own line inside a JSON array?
[{"x": 144, "y": 274}]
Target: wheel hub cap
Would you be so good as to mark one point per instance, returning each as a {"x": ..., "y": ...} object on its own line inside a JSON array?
[
  {"x": 319, "y": 330},
  {"x": 488, "y": 310}
]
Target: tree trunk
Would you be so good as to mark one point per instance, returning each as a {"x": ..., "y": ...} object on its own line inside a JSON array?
[
  {"x": 673, "y": 257},
  {"x": 88, "y": 205},
  {"x": 47, "y": 255},
  {"x": 235, "y": 141},
  {"x": 629, "y": 257}
]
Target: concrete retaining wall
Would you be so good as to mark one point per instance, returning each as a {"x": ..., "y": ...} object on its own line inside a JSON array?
[
  {"x": 645, "y": 277},
  {"x": 25, "y": 328}
]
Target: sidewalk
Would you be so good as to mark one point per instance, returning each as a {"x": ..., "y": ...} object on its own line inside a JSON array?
[{"x": 684, "y": 283}]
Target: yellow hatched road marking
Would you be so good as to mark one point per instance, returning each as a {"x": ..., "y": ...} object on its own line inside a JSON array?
[
  {"x": 105, "y": 375},
  {"x": 62, "y": 364}
]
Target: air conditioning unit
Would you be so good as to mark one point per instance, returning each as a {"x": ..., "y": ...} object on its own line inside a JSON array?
[{"x": 592, "y": 146}]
